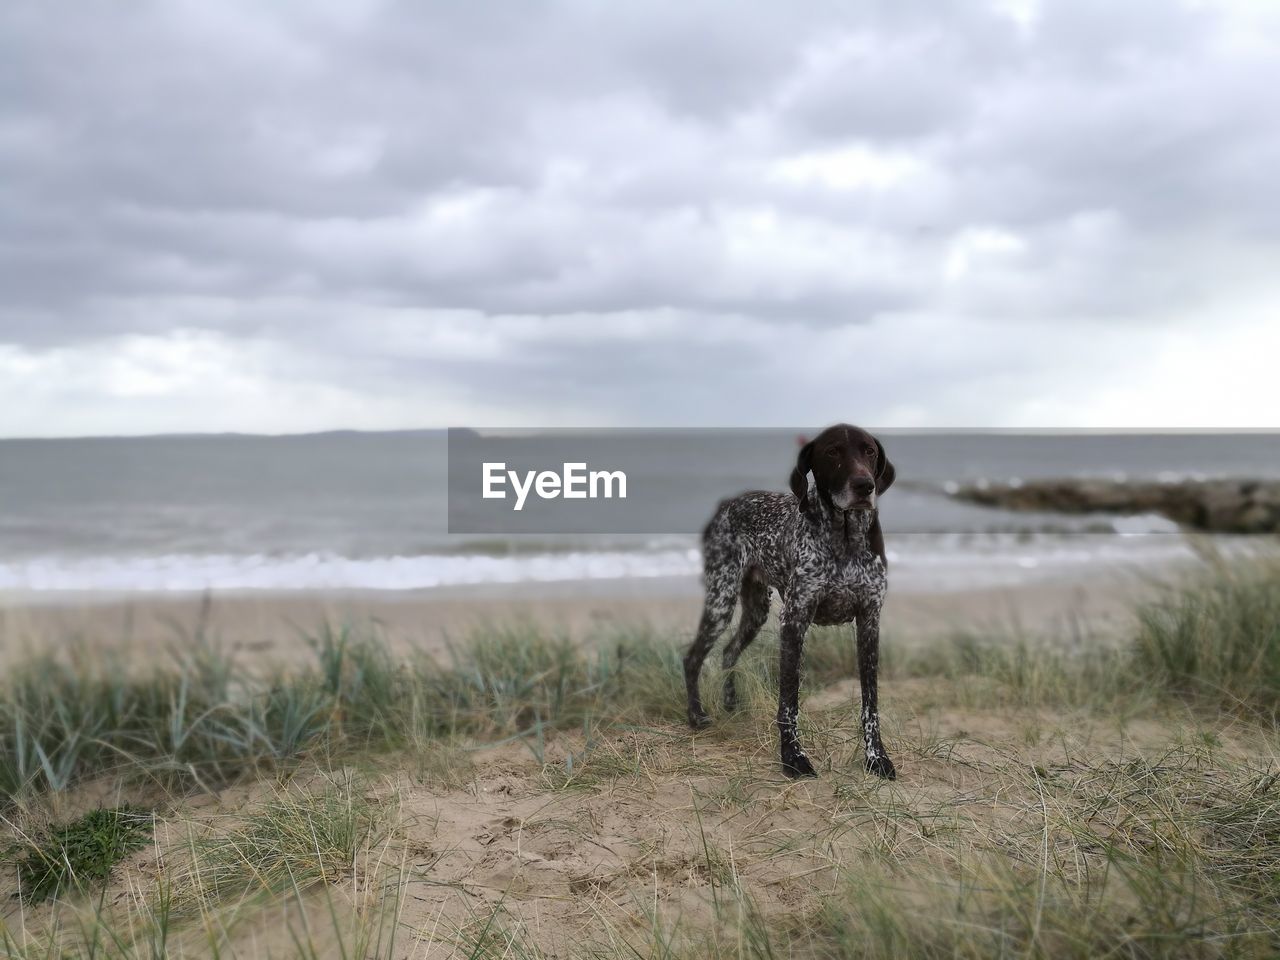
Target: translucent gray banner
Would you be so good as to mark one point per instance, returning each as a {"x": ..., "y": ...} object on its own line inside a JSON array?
[{"x": 663, "y": 481}]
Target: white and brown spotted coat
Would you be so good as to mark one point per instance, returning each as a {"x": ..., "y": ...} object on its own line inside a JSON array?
[{"x": 828, "y": 566}]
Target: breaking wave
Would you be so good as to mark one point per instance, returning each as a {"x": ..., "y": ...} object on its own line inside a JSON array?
[{"x": 932, "y": 562}]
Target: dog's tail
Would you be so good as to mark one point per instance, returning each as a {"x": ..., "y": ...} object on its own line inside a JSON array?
[{"x": 717, "y": 520}]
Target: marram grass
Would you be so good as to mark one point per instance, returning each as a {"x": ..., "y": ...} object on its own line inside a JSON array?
[
  {"x": 206, "y": 720},
  {"x": 77, "y": 855}
]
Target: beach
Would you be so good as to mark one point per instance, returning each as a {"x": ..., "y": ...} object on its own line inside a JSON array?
[{"x": 326, "y": 726}]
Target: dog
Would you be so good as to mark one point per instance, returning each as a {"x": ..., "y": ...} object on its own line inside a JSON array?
[{"x": 822, "y": 549}]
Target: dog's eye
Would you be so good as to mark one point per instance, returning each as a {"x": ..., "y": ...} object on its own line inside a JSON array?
[
  {"x": 833, "y": 453},
  {"x": 868, "y": 449}
]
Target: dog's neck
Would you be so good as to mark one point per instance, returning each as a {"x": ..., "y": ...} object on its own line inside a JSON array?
[{"x": 846, "y": 531}]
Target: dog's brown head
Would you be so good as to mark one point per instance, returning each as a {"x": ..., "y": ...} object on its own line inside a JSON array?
[{"x": 849, "y": 467}]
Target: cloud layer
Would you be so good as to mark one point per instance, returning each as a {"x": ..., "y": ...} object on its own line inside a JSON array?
[{"x": 378, "y": 214}]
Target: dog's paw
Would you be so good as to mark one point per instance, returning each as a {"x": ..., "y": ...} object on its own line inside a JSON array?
[
  {"x": 797, "y": 765},
  {"x": 699, "y": 720},
  {"x": 882, "y": 766}
]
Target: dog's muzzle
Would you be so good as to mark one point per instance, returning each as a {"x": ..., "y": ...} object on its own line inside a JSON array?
[{"x": 856, "y": 496}]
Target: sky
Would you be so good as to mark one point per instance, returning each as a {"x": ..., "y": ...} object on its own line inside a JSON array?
[{"x": 322, "y": 214}]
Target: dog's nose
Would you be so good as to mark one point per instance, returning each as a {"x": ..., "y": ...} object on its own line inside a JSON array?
[{"x": 862, "y": 486}]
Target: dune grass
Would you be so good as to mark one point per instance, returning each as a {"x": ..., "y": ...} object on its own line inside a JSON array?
[
  {"x": 296, "y": 838},
  {"x": 307, "y": 870},
  {"x": 75, "y": 855},
  {"x": 205, "y": 720},
  {"x": 1218, "y": 643},
  {"x": 1172, "y": 852}
]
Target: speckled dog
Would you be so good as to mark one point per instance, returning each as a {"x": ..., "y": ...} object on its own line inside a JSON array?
[{"x": 823, "y": 551}]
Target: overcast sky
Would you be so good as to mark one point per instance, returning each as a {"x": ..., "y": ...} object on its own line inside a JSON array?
[{"x": 319, "y": 214}]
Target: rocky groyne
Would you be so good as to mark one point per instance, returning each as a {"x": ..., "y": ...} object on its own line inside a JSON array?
[{"x": 1220, "y": 506}]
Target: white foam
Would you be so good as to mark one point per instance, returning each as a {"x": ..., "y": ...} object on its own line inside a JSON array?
[
  {"x": 318, "y": 571},
  {"x": 918, "y": 562},
  {"x": 966, "y": 560},
  {"x": 1144, "y": 523}
]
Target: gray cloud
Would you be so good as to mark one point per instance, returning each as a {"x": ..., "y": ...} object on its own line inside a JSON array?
[{"x": 639, "y": 213}]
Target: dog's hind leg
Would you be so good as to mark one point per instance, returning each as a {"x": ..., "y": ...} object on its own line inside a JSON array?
[
  {"x": 717, "y": 610},
  {"x": 755, "y": 611}
]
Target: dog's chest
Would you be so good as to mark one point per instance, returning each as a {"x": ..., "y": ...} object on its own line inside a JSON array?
[{"x": 851, "y": 585}]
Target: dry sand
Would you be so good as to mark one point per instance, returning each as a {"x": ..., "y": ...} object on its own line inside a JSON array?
[{"x": 654, "y": 825}]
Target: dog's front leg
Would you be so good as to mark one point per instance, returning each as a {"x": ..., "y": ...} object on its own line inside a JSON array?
[
  {"x": 868, "y": 628},
  {"x": 797, "y": 614}
]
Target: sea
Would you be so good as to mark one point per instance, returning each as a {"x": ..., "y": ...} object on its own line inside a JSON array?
[{"x": 369, "y": 511}]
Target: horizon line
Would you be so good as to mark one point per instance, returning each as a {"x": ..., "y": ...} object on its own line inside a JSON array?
[{"x": 918, "y": 431}]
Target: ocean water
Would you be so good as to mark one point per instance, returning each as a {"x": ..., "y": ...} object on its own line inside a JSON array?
[{"x": 369, "y": 511}]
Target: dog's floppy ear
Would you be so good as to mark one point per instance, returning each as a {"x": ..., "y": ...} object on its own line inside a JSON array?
[
  {"x": 800, "y": 475},
  {"x": 885, "y": 474}
]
